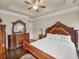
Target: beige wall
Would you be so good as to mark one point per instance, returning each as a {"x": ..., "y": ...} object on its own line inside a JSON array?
[
  {"x": 8, "y": 19},
  {"x": 70, "y": 19}
]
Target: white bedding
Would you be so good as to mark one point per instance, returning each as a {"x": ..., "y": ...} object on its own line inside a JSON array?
[{"x": 56, "y": 48}]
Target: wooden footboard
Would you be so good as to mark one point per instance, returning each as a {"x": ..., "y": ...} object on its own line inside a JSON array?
[{"x": 36, "y": 52}]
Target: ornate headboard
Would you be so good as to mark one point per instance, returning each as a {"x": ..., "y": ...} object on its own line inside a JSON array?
[{"x": 60, "y": 28}]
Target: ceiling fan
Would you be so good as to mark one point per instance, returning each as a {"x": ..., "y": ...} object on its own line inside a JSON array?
[{"x": 35, "y": 4}]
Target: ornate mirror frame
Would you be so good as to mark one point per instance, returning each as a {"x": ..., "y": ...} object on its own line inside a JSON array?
[{"x": 18, "y": 22}]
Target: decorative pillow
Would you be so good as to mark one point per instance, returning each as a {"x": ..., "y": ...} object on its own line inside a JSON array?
[
  {"x": 64, "y": 38},
  {"x": 55, "y": 37},
  {"x": 59, "y": 37}
]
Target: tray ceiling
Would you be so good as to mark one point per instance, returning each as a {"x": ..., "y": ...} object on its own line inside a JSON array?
[{"x": 18, "y": 6}]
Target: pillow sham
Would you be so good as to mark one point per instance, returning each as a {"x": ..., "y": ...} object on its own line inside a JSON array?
[
  {"x": 48, "y": 35},
  {"x": 64, "y": 38}
]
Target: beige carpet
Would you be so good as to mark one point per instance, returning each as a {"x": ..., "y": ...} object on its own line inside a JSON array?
[{"x": 27, "y": 56}]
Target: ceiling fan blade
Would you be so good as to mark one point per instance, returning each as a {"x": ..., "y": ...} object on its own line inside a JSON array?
[
  {"x": 27, "y": 2},
  {"x": 30, "y": 8},
  {"x": 43, "y": 6}
]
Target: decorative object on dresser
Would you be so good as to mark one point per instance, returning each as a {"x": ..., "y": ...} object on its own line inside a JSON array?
[
  {"x": 41, "y": 36},
  {"x": 3, "y": 53}
]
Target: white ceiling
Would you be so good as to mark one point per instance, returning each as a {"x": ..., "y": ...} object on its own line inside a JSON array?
[{"x": 18, "y": 6}]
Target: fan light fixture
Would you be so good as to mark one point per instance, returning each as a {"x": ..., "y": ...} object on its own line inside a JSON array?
[
  {"x": 35, "y": 4},
  {"x": 35, "y": 7}
]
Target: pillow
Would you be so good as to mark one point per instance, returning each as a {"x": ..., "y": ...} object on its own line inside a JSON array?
[
  {"x": 48, "y": 35},
  {"x": 66, "y": 38},
  {"x": 59, "y": 37},
  {"x": 53, "y": 36}
]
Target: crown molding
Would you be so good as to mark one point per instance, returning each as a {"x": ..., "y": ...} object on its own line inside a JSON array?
[
  {"x": 75, "y": 8},
  {"x": 12, "y": 13}
]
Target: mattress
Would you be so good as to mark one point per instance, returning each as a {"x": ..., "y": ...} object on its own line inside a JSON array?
[{"x": 56, "y": 48}]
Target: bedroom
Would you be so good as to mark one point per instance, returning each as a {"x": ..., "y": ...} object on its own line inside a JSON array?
[{"x": 9, "y": 13}]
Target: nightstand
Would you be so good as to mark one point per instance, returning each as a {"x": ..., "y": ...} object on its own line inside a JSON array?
[{"x": 32, "y": 40}]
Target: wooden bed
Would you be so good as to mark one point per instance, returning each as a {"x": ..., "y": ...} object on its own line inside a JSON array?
[{"x": 57, "y": 28}]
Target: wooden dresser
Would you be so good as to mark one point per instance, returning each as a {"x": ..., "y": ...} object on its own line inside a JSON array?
[
  {"x": 19, "y": 38},
  {"x": 2, "y": 42}
]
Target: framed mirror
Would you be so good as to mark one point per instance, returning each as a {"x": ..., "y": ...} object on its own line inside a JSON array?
[{"x": 18, "y": 27}]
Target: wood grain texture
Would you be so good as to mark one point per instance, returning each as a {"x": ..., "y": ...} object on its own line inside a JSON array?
[
  {"x": 19, "y": 38},
  {"x": 62, "y": 29},
  {"x": 36, "y": 52},
  {"x": 2, "y": 42}
]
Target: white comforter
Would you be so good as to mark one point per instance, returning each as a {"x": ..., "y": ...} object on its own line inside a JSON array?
[{"x": 56, "y": 48}]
